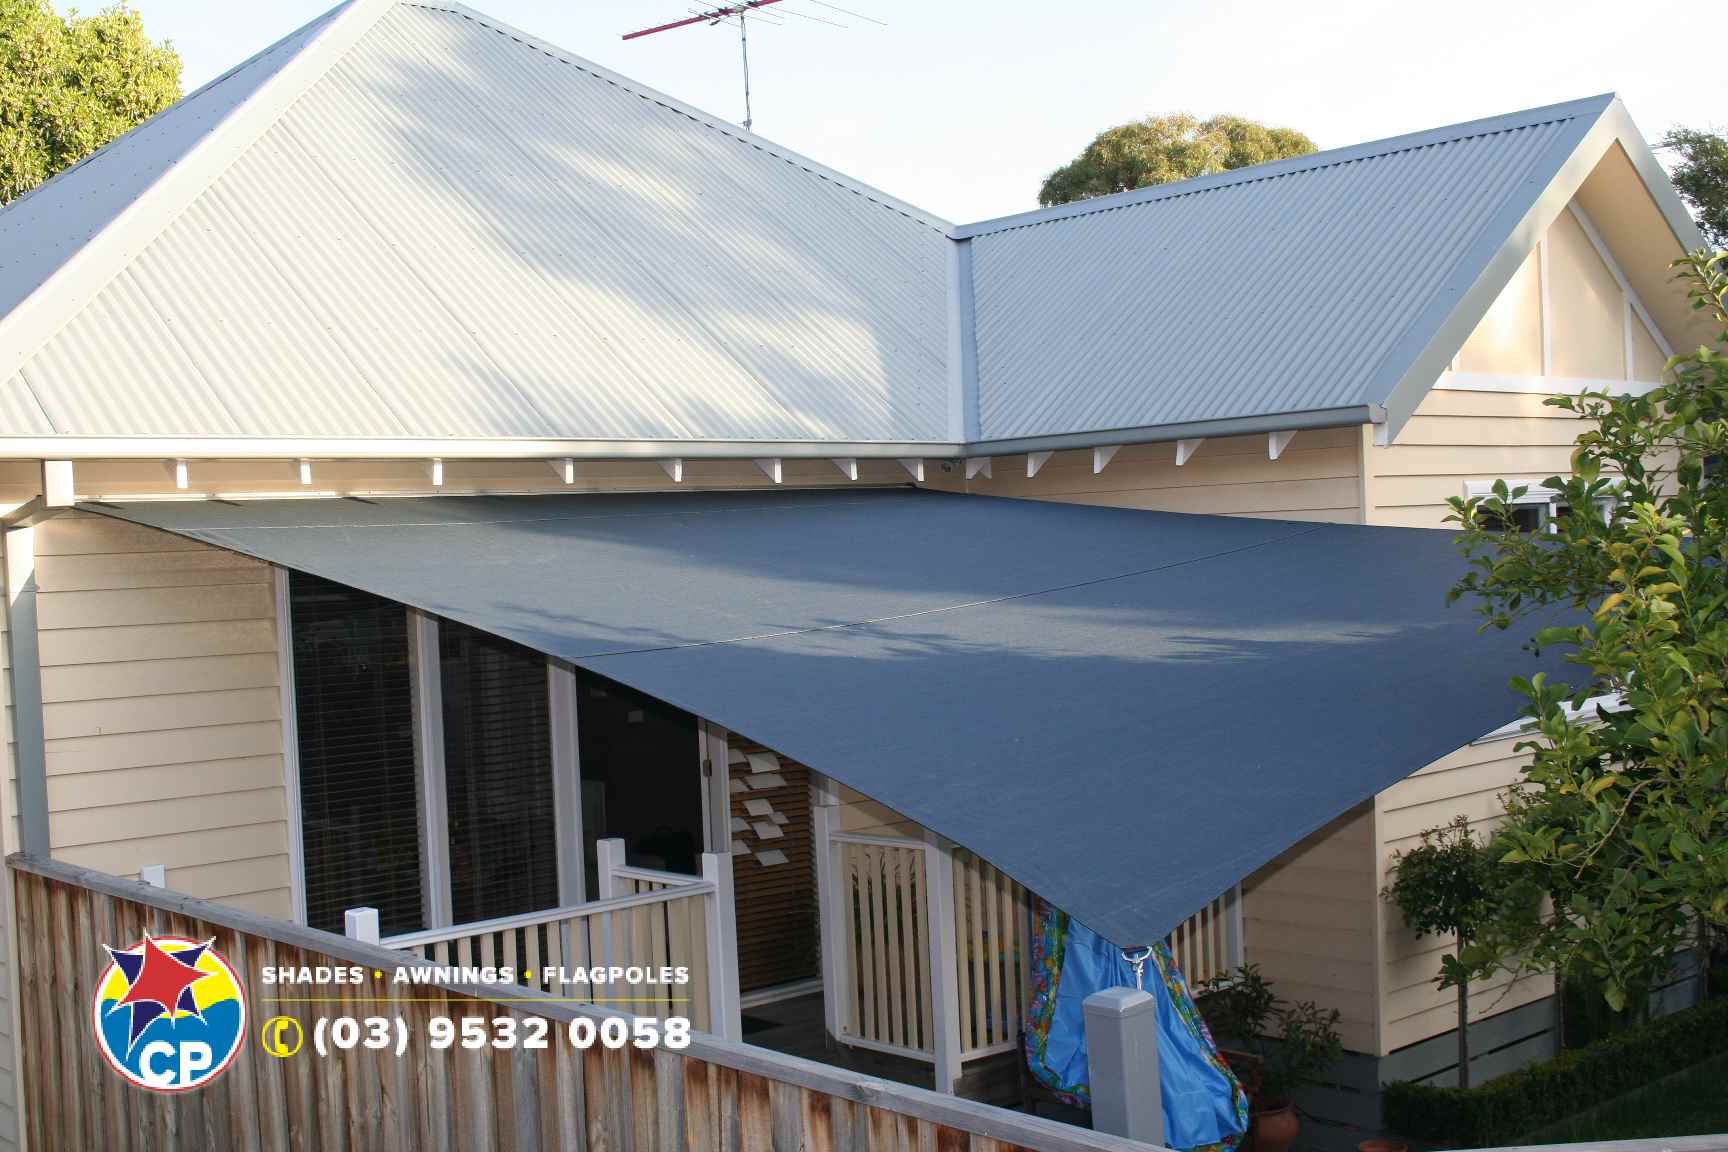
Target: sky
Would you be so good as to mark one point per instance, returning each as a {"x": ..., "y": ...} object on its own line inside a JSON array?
[{"x": 961, "y": 107}]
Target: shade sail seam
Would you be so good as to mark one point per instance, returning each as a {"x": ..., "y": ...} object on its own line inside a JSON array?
[
  {"x": 1006, "y": 599},
  {"x": 684, "y": 514}
]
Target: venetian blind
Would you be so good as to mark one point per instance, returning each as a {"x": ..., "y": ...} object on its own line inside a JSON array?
[
  {"x": 498, "y": 776},
  {"x": 355, "y": 720}
]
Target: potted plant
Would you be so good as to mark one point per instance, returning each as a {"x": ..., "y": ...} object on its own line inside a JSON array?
[
  {"x": 1308, "y": 1045},
  {"x": 1274, "y": 1048},
  {"x": 1237, "y": 1008}
]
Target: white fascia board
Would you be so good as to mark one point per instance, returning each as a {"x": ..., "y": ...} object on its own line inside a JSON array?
[
  {"x": 1611, "y": 125},
  {"x": 1428, "y": 345}
]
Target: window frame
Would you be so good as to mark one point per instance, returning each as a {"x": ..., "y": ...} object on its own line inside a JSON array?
[
  {"x": 1539, "y": 495},
  {"x": 431, "y": 801}
]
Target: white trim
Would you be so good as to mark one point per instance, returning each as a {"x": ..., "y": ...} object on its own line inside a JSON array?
[
  {"x": 1035, "y": 461},
  {"x": 563, "y": 719},
  {"x": 1545, "y": 309},
  {"x": 1276, "y": 442},
  {"x": 1631, "y": 295},
  {"x": 1537, "y": 492},
  {"x": 1185, "y": 449},
  {"x": 944, "y": 996},
  {"x": 426, "y": 683},
  {"x": 714, "y": 770},
  {"x": 1540, "y": 385},
  {"x": 290, "y": 721},
  {"x": 1525, "y": 725},
  {"x": 779, "y": 992},
  {"x": 1102, "y": 455}
]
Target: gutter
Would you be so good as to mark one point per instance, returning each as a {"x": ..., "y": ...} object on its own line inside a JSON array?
[{"x": 505, "y": 448}]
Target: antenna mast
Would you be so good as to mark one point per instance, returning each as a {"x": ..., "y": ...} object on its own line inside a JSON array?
[{"x": 714, "y": 16}]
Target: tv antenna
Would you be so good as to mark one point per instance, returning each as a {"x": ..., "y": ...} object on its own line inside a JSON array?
[{"x": 741, "y": 12}]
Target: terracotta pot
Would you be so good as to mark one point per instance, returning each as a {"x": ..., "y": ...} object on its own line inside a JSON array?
[
  {"x": 1275, "y": 1129},
  {"x": 1382, "y": 1146}
]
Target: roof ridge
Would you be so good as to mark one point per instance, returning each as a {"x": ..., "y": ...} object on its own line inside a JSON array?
[
  {"x": 118, "y": 240},
  {"x": 673, "y": 104},
  {"x": 1294, "y": 165}
]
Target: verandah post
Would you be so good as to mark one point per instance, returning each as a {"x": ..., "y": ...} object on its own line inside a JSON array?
[
  {"x": 608, "y": 858},
  {"x": 724, "y": 1013},
  {"x": 944, "y": 982},
  {"x": 831, "y": 916}
]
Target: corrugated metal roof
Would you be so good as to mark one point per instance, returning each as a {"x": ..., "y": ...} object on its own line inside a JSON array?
[
  {"x": 408, "y": 224},
  {"x": 1273, "y": 290},
  {"x": 43, "y": 229},
  {"x": 455, "y": 232}
]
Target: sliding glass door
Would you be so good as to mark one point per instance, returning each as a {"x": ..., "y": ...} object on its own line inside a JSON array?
[
  {"x": 448, "y": 776},
  {"x": 497, "y": 776}
]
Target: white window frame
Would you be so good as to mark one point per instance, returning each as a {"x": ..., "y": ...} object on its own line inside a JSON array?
[
  {"x": 426, "y": 692},
  {"x": 1534, "y": 494}
]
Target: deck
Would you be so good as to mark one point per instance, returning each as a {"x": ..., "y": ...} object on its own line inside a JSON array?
[{"x": 794, "y": 1027}]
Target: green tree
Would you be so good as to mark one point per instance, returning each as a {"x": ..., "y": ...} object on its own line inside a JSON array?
[
  {"x": 1616, "y": 839},
  {"x": 1701, "y": 175},
  {"x": 1160, "y": 149},
  {"x": 1446, "y": 886},
  {"x": 69, "y": 84}
]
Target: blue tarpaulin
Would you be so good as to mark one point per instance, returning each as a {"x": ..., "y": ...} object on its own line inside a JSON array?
[{"x": 1127, "y": 711}]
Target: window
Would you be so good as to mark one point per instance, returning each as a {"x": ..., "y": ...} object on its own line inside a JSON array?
[
  {"x": 360, "y": 828},
  {"x": 497, "y": 775},
  {"x": 1538, "y": 509}
]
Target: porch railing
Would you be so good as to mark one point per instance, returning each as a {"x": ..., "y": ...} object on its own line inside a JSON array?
[
  {"x": 645, "y": 918},
  {"x": 913, "y": 924},
  {"x": 711, "y": 1096}
]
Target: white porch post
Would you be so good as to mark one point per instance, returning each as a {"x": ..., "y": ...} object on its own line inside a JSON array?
[
  {"x": 361, "y": 924},
  {"x": 566, "y": 780},
  {"x": 831, "y": 892},
  {"x": 426, "y": 672},
  {"x": 723, "y": 999},
  {"x": 608, "y": 858},
  {"x": 944, "y": 987}
]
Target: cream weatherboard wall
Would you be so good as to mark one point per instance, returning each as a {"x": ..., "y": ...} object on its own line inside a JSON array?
[
  {"x": 162, "y": 710},
  {"x": 1318, "y": 477},
  {"x": 1310, "y": 923},
  {"x": 1467, "y": 782}
]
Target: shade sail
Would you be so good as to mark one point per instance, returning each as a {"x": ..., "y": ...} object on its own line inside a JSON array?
[{"x": 1127, "y": 711}]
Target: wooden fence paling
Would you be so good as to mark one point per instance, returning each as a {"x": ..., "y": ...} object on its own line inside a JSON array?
[{"x": 715, "y": 1095}]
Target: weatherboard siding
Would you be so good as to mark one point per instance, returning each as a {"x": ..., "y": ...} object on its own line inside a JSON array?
[
  {"x": 1467, "y": 782},
  {"x": 162, "y": 710},
  {"x": 1308, "y": 922},
  {"x": 1316, "y": 478}
]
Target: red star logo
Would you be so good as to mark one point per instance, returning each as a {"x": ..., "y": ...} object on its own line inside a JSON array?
[{"x": 161, "y": 980}]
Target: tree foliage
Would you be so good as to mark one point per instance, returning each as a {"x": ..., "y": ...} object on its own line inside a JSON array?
[
  {"x": 1160, "y": 149},
  {"x": 1702, "y": 178},
  {"x": 1616, "y": 839},
  {"x": 69, "y": 84},
  {"x": 1446, "y": 885}
]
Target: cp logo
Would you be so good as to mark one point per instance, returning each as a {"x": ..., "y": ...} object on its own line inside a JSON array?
[{"x": 168, "y": 1013}]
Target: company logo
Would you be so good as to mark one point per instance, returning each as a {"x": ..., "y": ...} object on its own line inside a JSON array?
[{"x": 169, "y": 1013}]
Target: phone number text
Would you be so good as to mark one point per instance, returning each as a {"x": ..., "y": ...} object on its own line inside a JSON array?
[{"x": 393, "y": 1033}]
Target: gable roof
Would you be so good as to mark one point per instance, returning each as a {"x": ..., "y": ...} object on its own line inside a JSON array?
[{"x": 408, "y": 225}]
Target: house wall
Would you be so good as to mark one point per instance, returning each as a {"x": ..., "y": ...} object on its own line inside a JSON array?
[
  {"x": 162, "y": 710},
  {"x": 1309, "y": 922},
  {"x": 1316, "y": 478},
  {"x": 1457, "y": 436},
  {"x": 1468, "y": 783}
]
